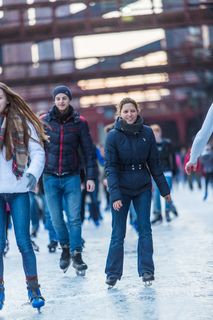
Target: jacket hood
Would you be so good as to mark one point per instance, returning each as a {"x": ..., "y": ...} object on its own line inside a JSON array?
[{"x": 134, "y": 128}]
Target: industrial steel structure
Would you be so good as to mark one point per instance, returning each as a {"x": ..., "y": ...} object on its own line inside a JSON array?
[{"x": 186, "y": 74}]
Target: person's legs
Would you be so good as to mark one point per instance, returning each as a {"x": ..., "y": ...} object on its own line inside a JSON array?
[
  {"x": 48, "y": 221},
  {"x": 94, "y": 208},
  {"x": 157, "y": 211},
  {"x": 53, "y": 189},
  {"x": 114, "y": 263},
  {"x": 72, "y": 202},
  {"x": 142, "y": 205},
  {"x": 3, "y": 218},
  {"x": 156, "y": 199},
  {"x": 169, "y": 206},
  {"x": 207, "y": 179},
  {"x": 34, "y": 214},
  {"x": 20, "y": 212},
  {"x": 83, "y": 202}
]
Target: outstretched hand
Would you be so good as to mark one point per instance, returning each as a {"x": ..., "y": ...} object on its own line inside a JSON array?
[
  {"x": 31, "y": 182},
  {"x": 190, "y": 167}
]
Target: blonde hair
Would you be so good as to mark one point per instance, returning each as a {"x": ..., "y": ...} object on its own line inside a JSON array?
[
  {"x": 18, "y": 107},
  {"x": 125, "y": 101}
]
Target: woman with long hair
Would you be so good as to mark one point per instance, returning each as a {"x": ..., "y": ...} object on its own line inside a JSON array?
[{"x": 21, "y": 164}]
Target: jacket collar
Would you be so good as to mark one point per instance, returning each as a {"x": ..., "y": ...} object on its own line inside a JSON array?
[
  {"x": 54, "y": 114},
  {"x": 131, "y": 129}
]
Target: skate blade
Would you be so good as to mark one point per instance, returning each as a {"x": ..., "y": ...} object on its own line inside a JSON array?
[
  {"x": 147, "y": 283},
  {"x": 110, "y": 287},
  {"x": 157, "y": 223},
  {"x": 81, "y": 273}
]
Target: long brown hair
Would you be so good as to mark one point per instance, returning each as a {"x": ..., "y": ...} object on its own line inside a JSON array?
[{"x": 18, "y": 107}]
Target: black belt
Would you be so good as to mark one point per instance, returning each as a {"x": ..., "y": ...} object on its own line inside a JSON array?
[
  {"x": 59, "y": 174},
  {"x": 132, "y": 167}
]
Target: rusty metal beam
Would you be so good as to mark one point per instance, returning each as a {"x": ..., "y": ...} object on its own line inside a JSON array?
[
  {"x": 77, "y": 75},
  {"x": 70, "y": 27},
  {"x": 79, "y": 93}
]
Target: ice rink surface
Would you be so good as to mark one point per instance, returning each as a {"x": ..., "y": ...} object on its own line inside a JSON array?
[{"x": 183, "y": 289}]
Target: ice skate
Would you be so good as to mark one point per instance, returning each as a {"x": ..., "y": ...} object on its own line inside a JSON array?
[
  {"x": 2, "y": 296},
  {"x": 78, "y": 263},
  {"x": 52, "y": 246},
  {"x": 65, "y": 258},
  {"x": 34, "y": 294},
  {"x": 174, "y": 211},
  {"x": 157, "y": 219},
  {"x": 111, "y": 281},
  {"x": 168, "y": 218},
  {"x": 35, "y": 246},
  {"x": 147, "y": 278}
]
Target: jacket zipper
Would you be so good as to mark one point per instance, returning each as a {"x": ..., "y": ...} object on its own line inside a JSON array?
[{"x": 61, "y": 149}]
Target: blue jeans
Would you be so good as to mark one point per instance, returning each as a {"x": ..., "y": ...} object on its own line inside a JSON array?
[
  {"x": 157, "y": 198},
  {"x": 20, "y": 211},
  {"x": 48, "y": 221},
  {"x": 114, "y": 264},
  {"x": 64, "y": 193},
  {"x": 34, "y": 211}
]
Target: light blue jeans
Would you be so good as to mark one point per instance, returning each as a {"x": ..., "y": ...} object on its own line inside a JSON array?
[
  {"x": 20, "y": 211},
  {"x": 157, "y": 198},
  {"x": 48, "y": 221},
  {"x": 64, "y": 193}
]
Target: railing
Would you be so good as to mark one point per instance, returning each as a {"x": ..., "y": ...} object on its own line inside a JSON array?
[
  {"x": 22, "y": 15},
  {"x": 189, "y": 58}
]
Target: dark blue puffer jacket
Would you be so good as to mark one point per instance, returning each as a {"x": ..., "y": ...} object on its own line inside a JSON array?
[
  {"x": 67, "y": 133},
  {"x": 131, "y": 155}
]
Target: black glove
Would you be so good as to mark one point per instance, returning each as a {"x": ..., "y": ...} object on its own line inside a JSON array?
[{"x": 31, "y": 182}]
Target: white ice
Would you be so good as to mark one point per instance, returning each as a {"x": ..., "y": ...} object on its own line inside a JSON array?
[{"x": 183, "y": 289}]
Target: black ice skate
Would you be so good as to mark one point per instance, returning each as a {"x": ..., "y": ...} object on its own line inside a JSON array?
[
  {"x": 157, "y": 219},
  {"x": 174, "y": 211},
  {"x": 147, "y": 278},
  {"x": 52, "y": 246},
  {"x": 78, "y": 263},
  {"x": 65, "y": 258},
  {"x": 35, "y": 246},
  {"x": 111, "y": 281}
]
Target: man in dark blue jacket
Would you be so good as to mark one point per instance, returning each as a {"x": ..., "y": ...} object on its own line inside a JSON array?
[{"x": 67, "y": 132}]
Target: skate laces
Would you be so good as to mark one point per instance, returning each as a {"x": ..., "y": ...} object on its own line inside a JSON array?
[
  {"x": 77, "y": 258},
  {"x": 34, "y": 293}
]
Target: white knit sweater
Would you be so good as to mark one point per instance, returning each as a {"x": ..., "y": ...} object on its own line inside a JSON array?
[
  {"x": 8, "y": 181},
  {"x": 202, "y": 136}
]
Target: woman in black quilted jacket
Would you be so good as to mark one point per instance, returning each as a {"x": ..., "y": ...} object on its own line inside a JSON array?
[{"x": 131, "y": 158}]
